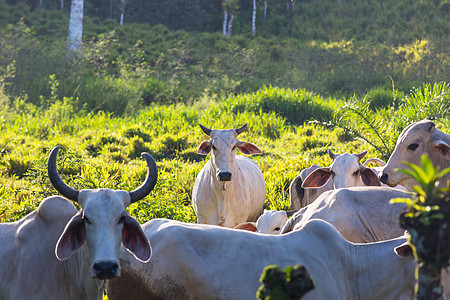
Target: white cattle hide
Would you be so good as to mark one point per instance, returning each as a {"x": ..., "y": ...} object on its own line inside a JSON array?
[
  {"x": 415, "y": 140},
  {"x": 195, "y": 261},
  {"x": 229, "y": 189}
]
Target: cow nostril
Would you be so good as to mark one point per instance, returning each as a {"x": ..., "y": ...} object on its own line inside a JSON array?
[
  {"x": 224, "y": 176},
  {"x": 105, "y": 269},
  {"x": 384, "y": 177}
]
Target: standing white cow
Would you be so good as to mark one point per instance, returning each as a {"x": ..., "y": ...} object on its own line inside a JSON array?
[
  {"x": 58, "y": 253},
  {"x": 197, "y": 261},
  {"x": 345, "y": 171},
  {"x": 230, "y": 188},
  {"x": 415, "y": 140}
]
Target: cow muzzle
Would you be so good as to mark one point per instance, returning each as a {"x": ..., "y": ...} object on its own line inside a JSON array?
[
  {"x": 105, "y": 270},
  {"x": 224, "y": 176},
  {"x": 384, "y": 178}
]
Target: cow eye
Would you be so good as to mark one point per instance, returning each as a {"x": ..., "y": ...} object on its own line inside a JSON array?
[
  {"x": 214, "y": 147},
  {"x": 413, "y": 146},
  {"x": 122, "y": 219},
  {"x": 277, "y": 228},
  {"x": 356, "y": 173},
  {"x": 234, "y": 147},
  {"x": 86, "y": 220}
]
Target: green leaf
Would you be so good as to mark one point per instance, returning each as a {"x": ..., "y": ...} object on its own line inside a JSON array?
[{"x": 427, "y": 166}]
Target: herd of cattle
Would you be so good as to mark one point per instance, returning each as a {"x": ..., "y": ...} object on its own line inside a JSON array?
[{"x": 342, "y": 228}]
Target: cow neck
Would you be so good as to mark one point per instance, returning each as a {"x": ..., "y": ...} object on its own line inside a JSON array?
[
  {"x": 77, "y": 277},
  {"x": 370, "y": 263}
]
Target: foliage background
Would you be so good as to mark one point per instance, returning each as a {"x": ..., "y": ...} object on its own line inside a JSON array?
[{"x": 322, "y": 75}]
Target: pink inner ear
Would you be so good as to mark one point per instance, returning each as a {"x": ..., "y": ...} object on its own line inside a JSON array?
[
  {"x": 134, "y": 239},
  {"x": 204, "y": 148},
  {"x": 317, "y": 178},
  {"x": 369, "y": 177},
  {"x": 444, "y": 149},
  {"x": 246, "y": 226},
  {"x": 248, "y": 148},
  {"x": 404, "y": 250},
  {"x": 72, "y": 238}
]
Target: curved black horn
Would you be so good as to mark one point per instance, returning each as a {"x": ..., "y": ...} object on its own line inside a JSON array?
[
  {"x": 361, "y": 155},
  {"x": 289, "y": 213},
  {"x": 207, "y": 131},
  {"x": 56, "y": 180},
  {"x": 331, "y": 154},
  {"x": 150, "y": 180},
  {"x": 241, "y": 129}
]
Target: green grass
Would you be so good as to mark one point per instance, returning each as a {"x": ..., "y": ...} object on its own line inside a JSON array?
[{"x": 102, "y": 150}]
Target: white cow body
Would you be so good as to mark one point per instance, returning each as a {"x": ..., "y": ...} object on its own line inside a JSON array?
[
  {"x": 28, "y": 247},
  {"x": 194, "y": 261},
  {"x": 56, "y": 252},
  {"x": 415, "y": 140},
  {"x": 230, "y": 188},
  {"x": 360, "y": 214}
]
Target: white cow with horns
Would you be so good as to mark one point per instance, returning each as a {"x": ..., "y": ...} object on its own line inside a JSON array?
[
  {"x": 197, "y": 261},
  {"x": 230, "y": 188},
  {"x": 58, "y": 253}
]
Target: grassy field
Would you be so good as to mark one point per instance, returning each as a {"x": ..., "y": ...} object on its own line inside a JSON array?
[{"x": 294, "y": 128}]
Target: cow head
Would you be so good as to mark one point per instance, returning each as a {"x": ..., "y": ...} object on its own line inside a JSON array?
[
  {"x": 103, "y": 222},
  {"x": 415, "y": 140},
  {"x": 223, "y": 143},
  {"x": 346, "y": 170}
]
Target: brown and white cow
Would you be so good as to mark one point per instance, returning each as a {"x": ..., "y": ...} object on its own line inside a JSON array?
[
  {"x": 230, "y": 188},
  {"x": 56, "y": 252}
]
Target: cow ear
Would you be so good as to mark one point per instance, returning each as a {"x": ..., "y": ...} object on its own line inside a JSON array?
[
  {"x": 248, "y": 148},
  {"x": 405, "y": 250},
  {"x": 369, "y": 177},
  {"x": 443, "y": 148},
  {"x": 250, "y": 226},
  {"x": 318, "y": 178},
  {"x": 204, "y": 148},
  {"x": 71, "y": 239},
  {"x": 134, "y": 239}
]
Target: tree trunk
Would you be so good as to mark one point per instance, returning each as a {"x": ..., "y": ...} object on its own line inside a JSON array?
[
  {"x": 230, "y": 25},
  {"x": 254, "y": 18},
  {"x": 110, "y": 8},
  {"x": 122, "y": 11},
  {"x": 225, "y": 20},
  {"x": 75, "y": 33},
  {"x": 62, "y": 4},
  {"x": 265, "y": 9}
]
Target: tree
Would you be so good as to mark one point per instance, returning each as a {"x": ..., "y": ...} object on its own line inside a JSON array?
[
  {"x": 230, "y": 8},
  {"x": 254, "y": 18},
  {"x": 75, "y": 33},
  {"x": 427, "y": 221},
  {"x": 122, "y": 11}
]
